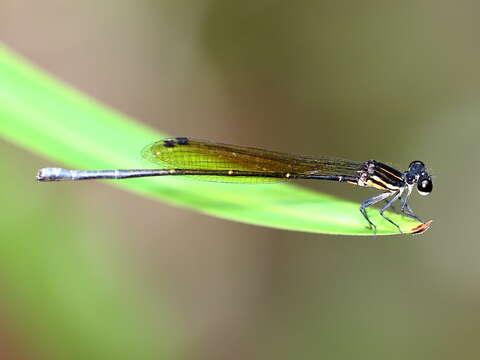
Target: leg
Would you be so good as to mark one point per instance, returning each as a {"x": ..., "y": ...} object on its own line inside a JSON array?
[
  {"x": 392, "y": 207},
  {"x": 406, "y": 198},
  {"x": 370, "y": 202},
  {"x": 389, "y": 204},
  {"x": 406, "y": 208},
  {"x": 409, "y": 212}
]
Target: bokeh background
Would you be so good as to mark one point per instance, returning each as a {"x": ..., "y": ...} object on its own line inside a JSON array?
[{"x": 87, "y": 268}]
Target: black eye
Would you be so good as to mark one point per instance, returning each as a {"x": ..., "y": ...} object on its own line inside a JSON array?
[
  {"x": 424, "y": 186},
  {"x": 417, "y": 163}
]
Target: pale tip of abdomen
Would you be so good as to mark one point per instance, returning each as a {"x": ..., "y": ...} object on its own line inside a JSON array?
[{"x": 49, "y": 174}]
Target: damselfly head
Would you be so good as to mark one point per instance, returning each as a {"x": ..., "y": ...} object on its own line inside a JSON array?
[{"x": 417, "y": 173}]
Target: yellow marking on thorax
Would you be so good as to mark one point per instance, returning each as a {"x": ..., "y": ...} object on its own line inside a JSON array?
[
  {"x": 372, "y": 184},
  {"x": 382, "y": 186},
  {"x": 390, "y": 173}
]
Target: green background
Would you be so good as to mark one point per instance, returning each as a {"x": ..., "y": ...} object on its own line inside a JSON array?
[{"x": 88, "y": 270}]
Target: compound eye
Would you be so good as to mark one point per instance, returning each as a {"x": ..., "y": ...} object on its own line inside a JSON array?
[
  {"x": 424, "y": 186},
  {"x": 416, "y": 163}
]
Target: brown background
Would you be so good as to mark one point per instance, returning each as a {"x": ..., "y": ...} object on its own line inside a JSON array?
[{"x": 394, "y": 81}]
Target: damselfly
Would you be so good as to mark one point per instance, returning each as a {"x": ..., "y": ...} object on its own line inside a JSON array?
[{"x": 211, "y": 161}]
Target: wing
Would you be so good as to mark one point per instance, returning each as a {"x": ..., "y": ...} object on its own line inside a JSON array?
[{"x": 186, "y": 153}]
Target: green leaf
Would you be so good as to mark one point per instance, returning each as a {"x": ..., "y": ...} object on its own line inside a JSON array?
[{"x": 53, "y": 120}]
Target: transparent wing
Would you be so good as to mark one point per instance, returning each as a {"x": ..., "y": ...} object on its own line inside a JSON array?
[{"x": 186, "y": 153}]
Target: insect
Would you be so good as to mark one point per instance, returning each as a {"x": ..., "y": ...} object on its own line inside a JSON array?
[{"x": 212, "y": 161}]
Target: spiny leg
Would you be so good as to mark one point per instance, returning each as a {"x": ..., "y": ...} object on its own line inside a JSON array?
[
  {"x": 370, "y": 202},
  {"x": 389, "y": 204}
]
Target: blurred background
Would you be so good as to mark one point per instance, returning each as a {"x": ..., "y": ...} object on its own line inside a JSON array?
[{"x": 86, "y": 267}]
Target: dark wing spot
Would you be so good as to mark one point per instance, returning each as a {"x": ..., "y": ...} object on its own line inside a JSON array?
[
  {"x": 169, "y": 143},
  {"x": 182, "y": 140}
]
